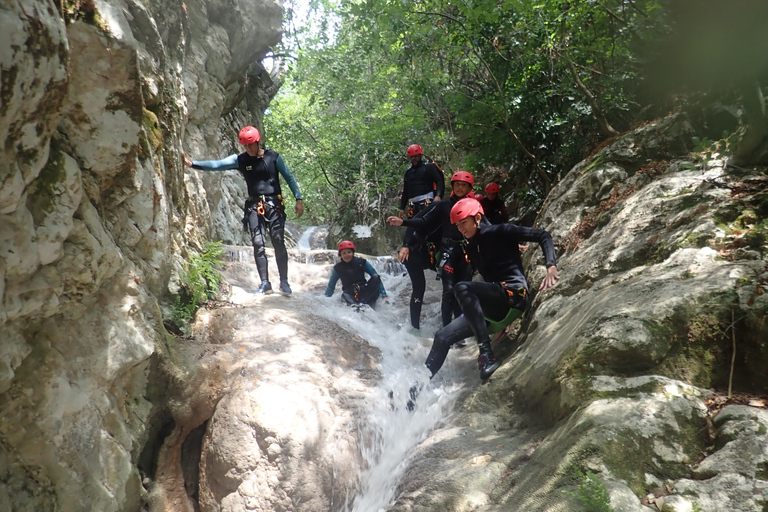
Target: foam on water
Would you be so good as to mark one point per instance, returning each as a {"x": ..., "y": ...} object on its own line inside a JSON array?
[{"x": 388, "y": 431}]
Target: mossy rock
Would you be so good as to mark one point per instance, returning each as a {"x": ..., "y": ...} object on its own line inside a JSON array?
[
  {"x": 44, "y": 190},
  {"x": 154, "y": 133}
]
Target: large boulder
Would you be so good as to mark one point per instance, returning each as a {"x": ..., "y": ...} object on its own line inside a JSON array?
[
  {"x": 97, "y": 213},
  {"x": 662, "y": 265}
]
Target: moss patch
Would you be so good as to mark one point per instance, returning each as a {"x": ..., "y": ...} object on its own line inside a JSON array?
[
  {"x": 7, "y": 81},
  {"x": 41, "y": 200},
  {"x": 85, "y": 10},
  {"x": 151, "y": 124},
  {"x": 701, "y": 336}
]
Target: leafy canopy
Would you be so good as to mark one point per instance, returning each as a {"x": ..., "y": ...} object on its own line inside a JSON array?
[{"x": 516, "y": 91}]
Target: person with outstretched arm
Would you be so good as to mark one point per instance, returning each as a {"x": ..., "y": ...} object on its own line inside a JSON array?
[
  {"x": 434, "y": 223},
  {"x": 265, "y": 208}
]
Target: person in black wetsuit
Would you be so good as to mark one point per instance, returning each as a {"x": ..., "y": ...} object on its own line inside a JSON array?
[
  {"x": 265, "y": 208},
  {"x": 493, "y": 252},
  {"x": 351, "y": 270},
  {"x": 423, "y": 183},
  {"x": 493, "y": 206},
  {"x": 434, "y": 223}
]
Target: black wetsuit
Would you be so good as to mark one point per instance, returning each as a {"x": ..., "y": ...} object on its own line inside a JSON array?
[
  {"x": 264, "y": 209},
  {"x": 354, "y": 288},
  {"x": 494, "y": 252},
  {"x": 435, "y": 222},
  {"x": 495, "y": 210},
  {"x": 420, "y": 180}
]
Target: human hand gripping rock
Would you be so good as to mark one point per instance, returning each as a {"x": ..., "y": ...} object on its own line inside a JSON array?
[{"x": 550, "y": 279}]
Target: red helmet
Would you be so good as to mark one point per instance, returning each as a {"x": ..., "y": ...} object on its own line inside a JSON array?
[
  {"x": 492, "y": 188},
  {"x": 414, "y": 149},
  {"x": 346, "y": 244},
  {"x": 464, "y": 208},
  {"x": 249, "y": 135},
  {"x": 463, "y": 176}
]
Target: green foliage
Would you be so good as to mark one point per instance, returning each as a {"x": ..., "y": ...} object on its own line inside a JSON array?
[
  {"x": 592, "y": 493},
  {"x": 723, "y": 147},
  {"x": 75, "y": 10},
  {"x": 486, "y": 86},
  {"x": 200, "y": 282}
]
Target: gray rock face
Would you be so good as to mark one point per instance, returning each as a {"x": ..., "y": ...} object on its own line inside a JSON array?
[
  {"x": 609, "y": 375},
  {"x": 96, "y": 214},
  {"x": 612, "y": 366}
]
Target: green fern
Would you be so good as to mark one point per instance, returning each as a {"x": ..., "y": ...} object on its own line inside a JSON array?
[
  {"x": 200, "y": 282},
  {"x": 592, "y": 492}
]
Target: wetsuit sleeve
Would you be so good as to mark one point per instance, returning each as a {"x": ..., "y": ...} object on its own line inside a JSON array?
[
  {"x": 425, "y": 222},
  {"x": 372, "y": 272},
  {"x": 542, "y": 237},
  {"x": 289, "y": 179},
  {"x": 437, "y": 175},
  {"x": 225, "y": 164},
  {"x": 404, "y": 197},
  {"x": 332, "y": 283}
]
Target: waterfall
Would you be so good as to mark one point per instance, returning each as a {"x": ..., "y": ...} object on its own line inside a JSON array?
[{"x": 388, "y": 431}]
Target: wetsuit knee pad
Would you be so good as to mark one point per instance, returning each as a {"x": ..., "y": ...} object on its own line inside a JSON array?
[{"x": 462, "y": 293}]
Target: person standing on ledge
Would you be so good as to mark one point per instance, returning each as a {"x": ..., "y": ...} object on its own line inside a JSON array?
[
  {"x": 265, "y": 208},
  {"x": 423, "y": 183}
]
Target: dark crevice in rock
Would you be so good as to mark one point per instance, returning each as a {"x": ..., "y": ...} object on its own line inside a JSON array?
[
  {"x": 161, "y": 426},
  {"x": 191, "y": 451}
]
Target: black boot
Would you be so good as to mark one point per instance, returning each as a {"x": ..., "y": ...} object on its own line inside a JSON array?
[{"x": 486, "y": 362}]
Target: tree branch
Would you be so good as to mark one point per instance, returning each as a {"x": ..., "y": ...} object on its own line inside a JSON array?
[
  {"x": 325, "y": 173},
  {"x": 596, "y": 110}
]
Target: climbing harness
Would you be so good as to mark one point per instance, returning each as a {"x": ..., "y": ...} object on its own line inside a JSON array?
[
  {"x": 356, "y": 292},
  {"x": 517, "y": 298},
  {"x": 433, "y": 252},
  {"x": 260, "y": 203},
  {"x": 418, "y": 203}
]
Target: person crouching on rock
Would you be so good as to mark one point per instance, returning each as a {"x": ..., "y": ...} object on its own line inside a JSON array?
[
  {"x": 351, "y": 270},
  {"x": 493, "y": 251}
]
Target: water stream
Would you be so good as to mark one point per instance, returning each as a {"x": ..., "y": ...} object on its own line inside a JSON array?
[{"x": 388, "y": 431}]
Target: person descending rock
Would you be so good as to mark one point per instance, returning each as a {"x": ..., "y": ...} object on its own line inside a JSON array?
[
  {"x": 351, "y": 270},
  {"x": 434, "y": 222},
  {"x": 422, "y": 183},
  {"x": 493, "y": 205},
  {"x": 265, "y": 208},
  {"x": 491, "y": 305}
]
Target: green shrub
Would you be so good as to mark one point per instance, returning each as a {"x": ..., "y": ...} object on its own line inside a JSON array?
[
  {"x": 200, "y": 282},
  {"x": 592, "y": 493}
]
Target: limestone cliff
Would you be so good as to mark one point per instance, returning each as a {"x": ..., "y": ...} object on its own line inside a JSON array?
[{"x": 97, "y": 213}]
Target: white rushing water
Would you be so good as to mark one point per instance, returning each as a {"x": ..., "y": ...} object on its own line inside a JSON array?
[
  {"x": 303, "y": 243},
  {"x": 388, "y": 431}
]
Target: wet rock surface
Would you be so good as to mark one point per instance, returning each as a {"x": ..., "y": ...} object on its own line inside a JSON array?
[{"x": 663, "y": 268}]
